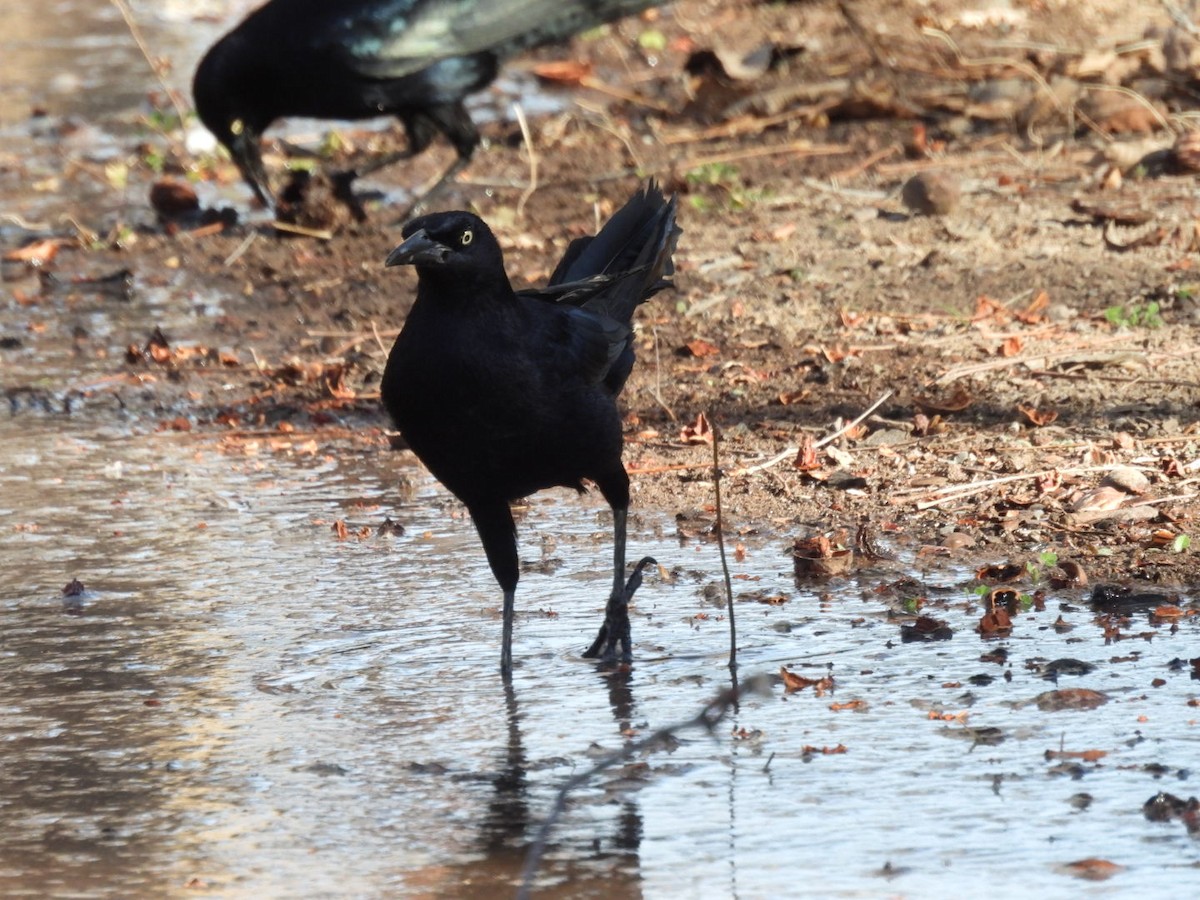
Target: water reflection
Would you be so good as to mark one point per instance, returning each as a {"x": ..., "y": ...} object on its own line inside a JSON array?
[{"x": 604, "y": 866}]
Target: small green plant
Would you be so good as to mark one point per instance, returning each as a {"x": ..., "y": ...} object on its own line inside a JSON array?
[
  {"x": 154, "y": 160},
  {"x": 979, "y": 590},
  {"x": 714, "y": 174},
  {"x": 727, "y": 178},
  {"x": 1138, "y": 315},
  {"x": 1181, "y": 543},
  {"x": 913, "y": 605},
  {"x": 1047, "y": 559},
  {"x": 653, "y": 40},
  {"x": 332, "y": 144}
]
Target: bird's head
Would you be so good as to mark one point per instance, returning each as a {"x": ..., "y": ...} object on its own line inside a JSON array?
[
  {"x": 457, "y": 242},
  {"x": 226, "y": 102}
]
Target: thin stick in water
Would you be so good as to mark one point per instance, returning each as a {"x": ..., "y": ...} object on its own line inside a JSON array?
[{"x": 721, "y": 546}]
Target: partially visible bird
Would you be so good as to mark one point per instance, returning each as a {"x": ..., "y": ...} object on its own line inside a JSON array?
[
  {"x": 502, "y": 393},
  {"x": 356, "y": 59}
]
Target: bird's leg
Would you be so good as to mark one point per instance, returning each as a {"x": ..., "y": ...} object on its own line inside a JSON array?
[
  {"x": 494, "y": 522},
  {"x": 614, "y": 637},
  {"x": 342, "y": 181},
  {"x": 506, "y": 639},
  {"x": 452, "y": 120}
]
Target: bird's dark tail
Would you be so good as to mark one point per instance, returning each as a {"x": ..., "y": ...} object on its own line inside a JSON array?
[{"x": 634, "y": 249}]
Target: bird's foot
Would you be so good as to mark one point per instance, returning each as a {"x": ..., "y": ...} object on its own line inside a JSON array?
[
  {"x": 613, "y": 643},
  {"x": 343, "y": 190}
]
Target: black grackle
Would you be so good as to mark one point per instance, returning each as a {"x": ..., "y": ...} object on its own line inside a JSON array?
[
  {"x": 502, "y": 393},
  {"x": 356, "y": 59}
]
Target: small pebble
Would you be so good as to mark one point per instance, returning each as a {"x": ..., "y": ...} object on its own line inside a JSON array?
[
  {"x": 1128, "y": 479},
  {"x": 931, "y": 193}
]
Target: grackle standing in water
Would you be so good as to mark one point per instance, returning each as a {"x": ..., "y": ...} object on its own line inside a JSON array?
[
  {"x": 502, "y": 393},
  {"x": 355, "y": 59}
]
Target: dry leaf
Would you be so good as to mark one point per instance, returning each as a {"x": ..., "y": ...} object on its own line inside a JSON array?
[
  {"x": 698, "y": 432},
  {"x": 849, "y": 704},
  {"x": 37, "y": 254},
  {"x": 806, "y": 457},
  {"x": 1085, "y": 755},
  {"x": 700, "y": 348},
  {"x": 995, "y": 622},
  {"x": 793, "y": 682},
  {"x": 564, "y": 71},
  {"x": 1035, "y": 311},
  {"x": 956, "y": 402},
  {"x": 1070, "y": 698},
  {"x": 1037, "y": 417},
  {"x": 1093, "y": 869}
]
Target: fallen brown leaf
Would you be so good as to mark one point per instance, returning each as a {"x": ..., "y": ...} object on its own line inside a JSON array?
[
  {"x": 793, "y": 682},
  {"x": 956, "y": 402},
  {"x": 562, "y": 71},
  {"x": 1070, "y": 698},
  {"x": 849, "y": 704},
  {"x": 1093, "y": 869},
  {"x": 1038, "y": 417},
  {"x": 1085, "y": 755},
  {"x": 700, "y": 348},
  {"x": 37, "y": 254},
  {"x": 698, "y": 432}
]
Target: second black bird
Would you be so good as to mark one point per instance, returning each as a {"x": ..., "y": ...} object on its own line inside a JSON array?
[
  {"x": 356, "y": 59},
  {"x": 503, "y": 393}
]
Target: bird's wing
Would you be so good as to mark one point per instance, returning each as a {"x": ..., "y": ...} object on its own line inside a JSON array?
[
  {"x": 581, "y": 345},
  {"x": 578, "y": 293},
  {"x": 393, "y": 38}
]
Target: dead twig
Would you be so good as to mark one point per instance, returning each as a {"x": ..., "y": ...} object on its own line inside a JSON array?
[
  {"x": 741, "y": 126},
  {"x": 1030, "y": 359},
  {"x": 792, "y": 451},
  {"x": 527, "y": 137},
  {"x": 240, "y": 249},
  {"x": 1118, "y": 379},
  {"x": 863, "y": 165},
  {"x": 953, "y": 492},
  {"x": 322, "y": 234},
  {"x": 870, "y": 409},
  {"x": 720, "y": 530},
  {"x": 178, "y": 102},
  {"x": 796, "y": 148},
  {"x": 595, "y": 84},
  {"x": 379, "y": 339}
]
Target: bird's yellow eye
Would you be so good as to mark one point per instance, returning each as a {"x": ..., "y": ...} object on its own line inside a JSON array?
[
  {"x": 236, "y": 127},
  {"x": 467, "y": 237}
]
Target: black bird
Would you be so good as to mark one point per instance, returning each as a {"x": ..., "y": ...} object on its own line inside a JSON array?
[
  {"x": 502, "y": 393},
  {"x": 356, "y": 59}
]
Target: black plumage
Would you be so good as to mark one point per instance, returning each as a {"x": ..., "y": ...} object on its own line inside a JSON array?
[
  {"x": 502, "y": 393},
  {"x": 356, "y": 59}
]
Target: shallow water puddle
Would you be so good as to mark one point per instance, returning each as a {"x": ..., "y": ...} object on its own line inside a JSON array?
[{"x": 243, "y": 703}]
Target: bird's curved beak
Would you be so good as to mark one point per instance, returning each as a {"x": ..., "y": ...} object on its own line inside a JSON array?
[
  {"x": 243, "y": 147},
  {"x": 419, "y": 250}
]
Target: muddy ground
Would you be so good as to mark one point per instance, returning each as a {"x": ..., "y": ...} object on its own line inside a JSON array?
[{"x": 1024, "y": 356}]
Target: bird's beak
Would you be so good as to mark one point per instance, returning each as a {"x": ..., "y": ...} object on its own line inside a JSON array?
[
  {"x": 246, "y": 155},
  {"x": 419, "y": 250}
]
